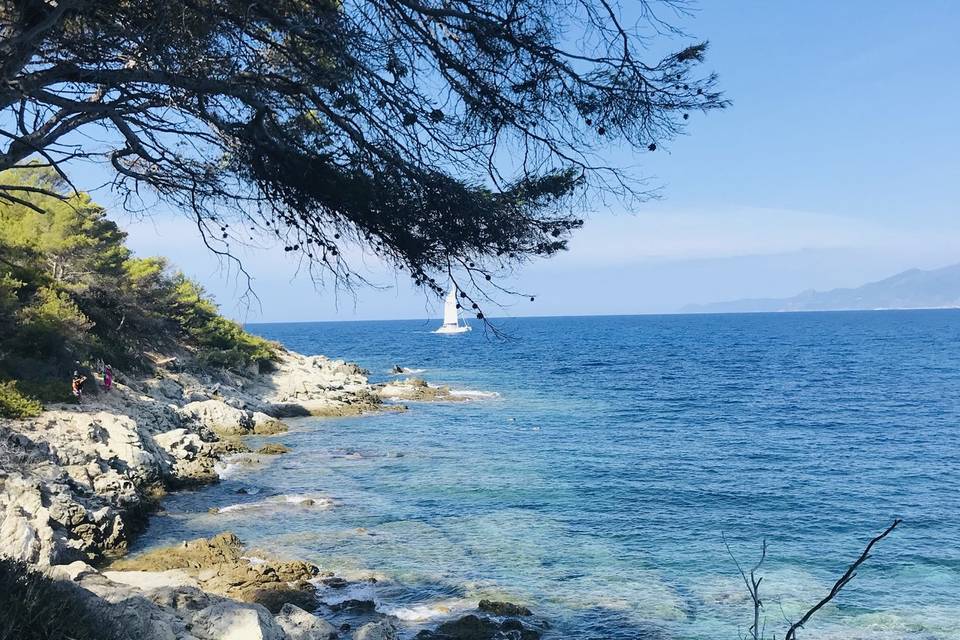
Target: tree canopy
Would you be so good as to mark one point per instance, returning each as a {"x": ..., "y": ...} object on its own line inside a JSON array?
[{"x": 445, "y": 135}]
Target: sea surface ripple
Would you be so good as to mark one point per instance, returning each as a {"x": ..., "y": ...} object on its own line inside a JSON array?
[{"x": 598, "y": 483}]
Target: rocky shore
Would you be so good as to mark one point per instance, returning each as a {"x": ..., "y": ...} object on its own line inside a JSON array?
[{"x": 78, "y": 482}]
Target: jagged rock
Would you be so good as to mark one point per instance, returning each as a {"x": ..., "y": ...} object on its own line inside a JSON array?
[
  {"x": 354, "y": 605},
  {"x": 416, "y": 390},
  {"x": 335, "y": 582},
  {"x": 25, "y": 531},
  {"x": 164, "y": 389},
  {"x": 381, "y": 630},
  {"x": 266, "y": 425},
  {"x": 498, "y": 608},
  {"x": 229, "y": 420},
  {"x": 218, "y": 566},
  {"x": 302, "y": 625},
  {"x": 471, "y": 627},
  {"x": 274, "y": 596},
  {"x": 192, "y": 460},
  {"x": 219, "y": 416},
  {"x": 183, "y": 599},
  {"x": 77, "y": 481},
  {"x": 128, "y": 611},
  {"x": 224, "y": 548},
  {"x": 273, "y": 449}
]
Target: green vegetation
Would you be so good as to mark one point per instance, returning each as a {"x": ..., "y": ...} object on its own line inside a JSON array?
[
  {"x": 70, "y": 291},
  {"x": 35, "y": 607},
  {"x": 14, "y": 404}
]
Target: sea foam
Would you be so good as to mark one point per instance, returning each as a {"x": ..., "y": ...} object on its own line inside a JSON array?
[
  {"x": 285, "y": 500},
  {"x": 473, "y": 394}
]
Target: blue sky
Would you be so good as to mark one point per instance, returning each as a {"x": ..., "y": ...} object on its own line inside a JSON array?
[{"x": 838, "y": 163}]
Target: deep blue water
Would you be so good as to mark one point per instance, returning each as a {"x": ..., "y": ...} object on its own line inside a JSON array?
[{"x": 597, "y": 485}]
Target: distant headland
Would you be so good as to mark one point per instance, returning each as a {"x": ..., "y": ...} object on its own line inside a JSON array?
[{"x": 911, "y": 289}]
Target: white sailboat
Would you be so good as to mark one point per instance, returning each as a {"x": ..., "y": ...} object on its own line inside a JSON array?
[{"x": 451, "y": 315}]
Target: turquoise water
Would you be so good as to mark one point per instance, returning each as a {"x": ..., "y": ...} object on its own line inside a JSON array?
[{"x": 597, "y": 484}]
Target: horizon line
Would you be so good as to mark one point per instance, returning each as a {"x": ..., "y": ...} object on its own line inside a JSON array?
[{"x": 623, "y": 315}]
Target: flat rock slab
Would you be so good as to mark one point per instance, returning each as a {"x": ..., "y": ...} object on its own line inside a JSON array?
[{"x": 148, "y": 580}]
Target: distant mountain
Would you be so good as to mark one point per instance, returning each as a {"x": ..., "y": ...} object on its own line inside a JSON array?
[{"x": 913, "y": 289}]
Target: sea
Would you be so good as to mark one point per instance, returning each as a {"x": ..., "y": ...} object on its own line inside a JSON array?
[{"x": 612, "y": 473}]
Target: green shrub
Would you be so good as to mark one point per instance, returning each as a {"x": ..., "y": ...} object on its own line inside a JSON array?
[
  {"x": 46, "y": 391},
  {"x": 34, "y": 607},
  {"x": 15, "y": 404},
  {"x": 70, "y": 290}
]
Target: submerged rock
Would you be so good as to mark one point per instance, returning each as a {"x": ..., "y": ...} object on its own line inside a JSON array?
[
  {"x": 275, "y": 595},
  {"x": 335, "y": 582},
  {"x": 498, "y": 608},
  {"x": 354, "y": 605},
  {"x": 381, "y": 630},
  {"x": 273, "y": 449},
  {"x": 417, "y": 390}
]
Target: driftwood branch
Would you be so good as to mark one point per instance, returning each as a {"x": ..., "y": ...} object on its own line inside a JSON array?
[
  {"x": 848, "y": 575},
  {"x": 752, "y": 582}
]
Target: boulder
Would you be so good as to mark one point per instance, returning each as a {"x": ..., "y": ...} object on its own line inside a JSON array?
[
  {"x": 498, "y": 608},
  {"x": 471, "y": 627},
  {"x": 276, "y": 595},
  {"x": 233, "y": 621},
  {"x": 354, "y": 605},
  {"x": 273, "y": 449},
  {"x": 266, "y": 425},
  {"x": 192, "y": 460},
  {"x": 303, "y": 625},
  {"x": 381, "y": 630},
  {"x": 219, "y": 416}
]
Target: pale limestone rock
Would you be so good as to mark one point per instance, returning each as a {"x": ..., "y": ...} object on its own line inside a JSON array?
[
  {"x": 19, "y": 539},
  {"x": 149, "y": 580},
  {"x": 72, "y": 572},
  {"x": 219, "y": 416},
  {"x": 76, "y": 474},
  {"x": 235, "y": 621},
  {"x": 303, "y": 625}
]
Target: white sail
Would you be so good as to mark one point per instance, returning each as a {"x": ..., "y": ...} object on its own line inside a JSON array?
[{"x": 450, "y": 315}]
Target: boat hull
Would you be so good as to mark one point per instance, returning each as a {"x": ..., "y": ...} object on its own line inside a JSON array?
[{"x": 454, "y": 329}]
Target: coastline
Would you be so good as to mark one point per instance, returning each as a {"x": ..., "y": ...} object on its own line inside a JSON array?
[{"x": 80, "y": 482}]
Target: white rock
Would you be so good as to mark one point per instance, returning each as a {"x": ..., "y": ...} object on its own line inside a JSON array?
[
  {"x": 234, "y": 621},
  {"x": 303, "y": 625},
  {"x": 70, "y": 572},
  {"x": 218, "y": 415},
  {"x": 147, "y": 580},
  {"x": 18, "y": 536}
]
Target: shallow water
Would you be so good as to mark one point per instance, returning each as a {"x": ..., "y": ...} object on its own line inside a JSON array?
[{"x": 597, "y": 484}]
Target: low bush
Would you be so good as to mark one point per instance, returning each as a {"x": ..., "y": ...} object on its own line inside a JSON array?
[
  {"x": 14, "y": 403},
  {"x": 34, "y": 607},
  {"x": 46, "y": 390}
]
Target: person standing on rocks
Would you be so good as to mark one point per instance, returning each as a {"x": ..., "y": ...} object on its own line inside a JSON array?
[
  {"x": 76, "y": 385},
  {"x": 107, "y": 378}
]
